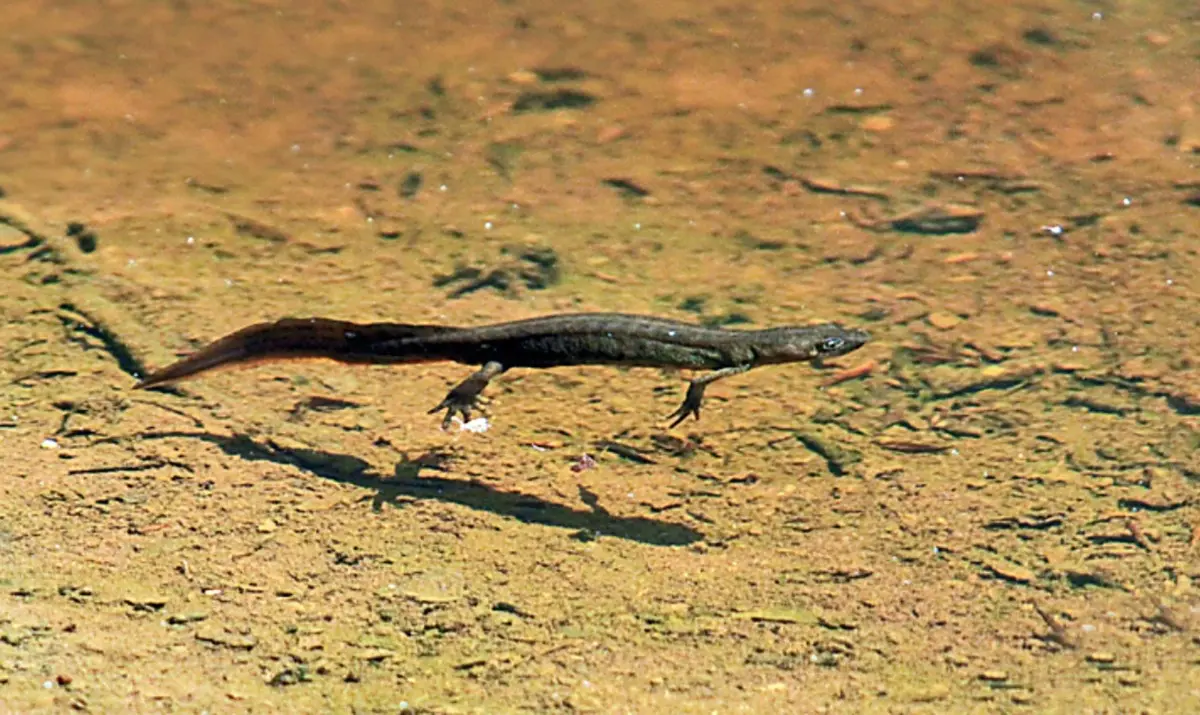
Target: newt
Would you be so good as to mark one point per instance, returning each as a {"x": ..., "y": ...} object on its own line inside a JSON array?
[{"x": 544, "y": 342}]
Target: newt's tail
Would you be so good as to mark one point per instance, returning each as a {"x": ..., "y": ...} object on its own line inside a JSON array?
[{"x": 297, "y": 339}]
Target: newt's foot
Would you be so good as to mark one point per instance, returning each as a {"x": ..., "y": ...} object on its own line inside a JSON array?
[
  {"x": 459, "y": 401},
  {"x": 462, "y": 399},
  {"x": 690, "y": 406},
  {"x": 454, "y": 404}
]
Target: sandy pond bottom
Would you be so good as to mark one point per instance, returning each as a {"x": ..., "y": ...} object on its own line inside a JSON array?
[{"x": 991, "y": 507}]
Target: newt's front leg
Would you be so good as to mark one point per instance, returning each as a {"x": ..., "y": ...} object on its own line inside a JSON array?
[
  {"x": 695, "y": 393},
  {"x": 462, "y": 398}
]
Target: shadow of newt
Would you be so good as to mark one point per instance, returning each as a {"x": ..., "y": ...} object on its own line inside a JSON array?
[{"x": 407, "y": 482}]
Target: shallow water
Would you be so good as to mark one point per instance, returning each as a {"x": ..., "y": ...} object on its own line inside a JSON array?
[{"x": 992, "y": 506}]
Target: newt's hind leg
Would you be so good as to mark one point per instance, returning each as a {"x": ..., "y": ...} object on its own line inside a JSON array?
[
  {"x": 695, "y": 393},
  {"x": 461, "y": 399}
]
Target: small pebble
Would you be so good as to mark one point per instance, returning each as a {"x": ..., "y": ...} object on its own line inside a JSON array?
[
  {"x": 878, "y": 123},
  {"x": 942, "y": 320},
  {"x": 478, "y": 425},
  {"x": 523, "y": 77},
  {"x": 1158, "y": 39}
]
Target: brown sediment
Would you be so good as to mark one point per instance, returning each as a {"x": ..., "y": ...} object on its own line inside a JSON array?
[{"x": 1014, "y": 514}]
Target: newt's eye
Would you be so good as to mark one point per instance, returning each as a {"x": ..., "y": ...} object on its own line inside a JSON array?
[{"x": 832, "y": 345}]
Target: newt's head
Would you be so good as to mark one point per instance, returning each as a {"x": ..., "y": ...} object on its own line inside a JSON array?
[
  {"x": 812, "y": 342},
  {"x": 839, "y": 341}
]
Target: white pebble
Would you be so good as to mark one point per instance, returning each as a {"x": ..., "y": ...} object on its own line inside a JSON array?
[{"x": 477, "y": 425}]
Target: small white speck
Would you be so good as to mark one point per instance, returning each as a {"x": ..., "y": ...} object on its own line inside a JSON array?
[
  {"x": 131, "y": 262},
  {"x": 295, "y": 148},
  {"x": 1097, "y": 16},
  {"x": 671, "y": 333},
  {"x": 48, "y": 685},
  {"x": 487, "y": 225},
  {"x": 1087, "y": 628},
  {"x": 49, "y": 443},
  {"x": 637, "y": 226},
  {"x": 858, "y": 91},
  {"x": 443, "y": 187},
  {"x": 808, "y": 92},
  {"x": 478, "y": 425},
  {"x": 1054, "y": 229},
  {"x": 191, "y": 240},
  {"x": 1170, "y": 282},
  {"x": 1050, "y": 273},
  {"x": 228, "y": 282},
  {"x": 1126, "y": 201}
]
